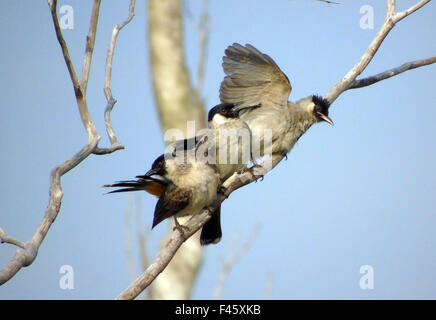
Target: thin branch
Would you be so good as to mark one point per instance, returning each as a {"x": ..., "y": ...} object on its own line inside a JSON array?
[
  {"x": 4, "y": 238},
  {"x": 176, "y": 238},
  {"x": 328, "y": 1},
  {"x": 80, "y": 96},
  {"x": 24, "y": 259},
  {"x": 412, "y": 9},
  {"x": 232, "y": 259},
  {"x": 391, "y": 19},
  {"x": 90, "y": 41},
  {"x": 115, "y": 145},
  {"x": 359, "y": 83}
]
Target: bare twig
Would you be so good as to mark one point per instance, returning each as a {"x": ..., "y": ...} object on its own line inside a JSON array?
[
  {"x": 359, "y": 83},
  {"x": 392, "y": 17},
  {"x": 80, "y": 96},
  {"x": 328, "y": 1},
  {"x": 90, "y": 40},
  {"x": 4, "y": 238},
  {"x": 115, "y": 145},
  {"x": 26, "y": 257},
  {"x": 232, "y": 259}
]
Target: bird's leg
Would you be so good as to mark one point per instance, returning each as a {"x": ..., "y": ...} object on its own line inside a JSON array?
[
  {"x": 254, "y": 169},
  {"x": 180, "y": 227},
  {"x": 222, "y": 190}
]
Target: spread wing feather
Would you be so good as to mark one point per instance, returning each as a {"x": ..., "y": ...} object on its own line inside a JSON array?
[{"x": 252, "y": 78}]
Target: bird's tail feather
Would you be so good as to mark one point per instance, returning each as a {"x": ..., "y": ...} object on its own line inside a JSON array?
[
  {"x": 148, "y": 184},
  {"x": 211, "y": 231}
]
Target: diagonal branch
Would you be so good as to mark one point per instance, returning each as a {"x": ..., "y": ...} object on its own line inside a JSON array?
[
  {"x": 80, "y": 95},
  {"x": 392, "y": 17},
  {"x": 359, "y": 83},
  {"x": 90, "y": 41},
  {"x": 412, "y": 9}
]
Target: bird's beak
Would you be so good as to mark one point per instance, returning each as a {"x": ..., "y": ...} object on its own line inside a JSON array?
[{"x": 325, "y": 118}]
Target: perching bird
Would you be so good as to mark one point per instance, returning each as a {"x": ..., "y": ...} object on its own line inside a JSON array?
[
  {"x": 233, "y": 153},
  {"x": 253, "y": 78},
  {"x": 182, "y": 188},
  {"x": 232, "y": 139},
  {"x": 228, "y": 142}
]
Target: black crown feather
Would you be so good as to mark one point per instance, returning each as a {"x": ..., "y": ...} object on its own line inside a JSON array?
[{"x": 323, "y": 104}]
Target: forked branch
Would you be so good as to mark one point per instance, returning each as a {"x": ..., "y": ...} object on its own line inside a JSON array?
[
  {"x": 30, "y": 248},
  {"x": 392, "y": 17}
]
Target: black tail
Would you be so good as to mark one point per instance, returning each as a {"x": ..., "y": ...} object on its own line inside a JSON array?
[
  {"x": 144, "y": 183},
  {"x": 131, "y": 185},
  {"x": 211, "y": 232}
]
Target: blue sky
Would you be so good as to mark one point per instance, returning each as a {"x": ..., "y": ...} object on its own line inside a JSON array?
[{"x": 359, "y": 193}]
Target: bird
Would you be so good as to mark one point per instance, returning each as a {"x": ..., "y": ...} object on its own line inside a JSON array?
[
  {"x": 227, "y": 144},
  {"x": 182, "y": 188},
  {"x": 232, "y": 139},
  {"x": 253, "y": 78}
]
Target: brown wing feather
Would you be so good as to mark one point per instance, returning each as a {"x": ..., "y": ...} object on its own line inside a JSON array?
[
  {"x": 170, "y": 203},
  {"x": 252, "y": 78}
]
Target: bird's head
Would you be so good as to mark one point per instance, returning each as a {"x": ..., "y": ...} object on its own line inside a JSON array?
[
  {"x": 317, "y": 107},
  {"x": 226, "y": 110}
]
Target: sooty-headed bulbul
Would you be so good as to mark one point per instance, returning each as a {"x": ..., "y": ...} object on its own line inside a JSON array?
[
  {"x": 227, "y": 127},
  {"x": 253, "y": 78},
  {"x": 229, "y": 139},
  {"x": 182, "y": 188}
]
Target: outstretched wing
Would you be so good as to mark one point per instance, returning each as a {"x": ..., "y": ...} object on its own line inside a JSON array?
[{"x": 252, "y": 78}]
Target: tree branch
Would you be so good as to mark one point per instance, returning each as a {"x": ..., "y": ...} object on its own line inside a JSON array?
[
  {"x": 26, "y": 257},
  {"x": 4, "y": 238},
  {"x": 391, "y": 19},
  {"x": 115, "y": 145},
  {"x": 359, "y": 83},
  {"x": 90, "y": 41}
]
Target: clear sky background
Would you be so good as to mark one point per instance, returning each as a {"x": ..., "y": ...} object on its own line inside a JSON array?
[{"x": 359, "y": 193}]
